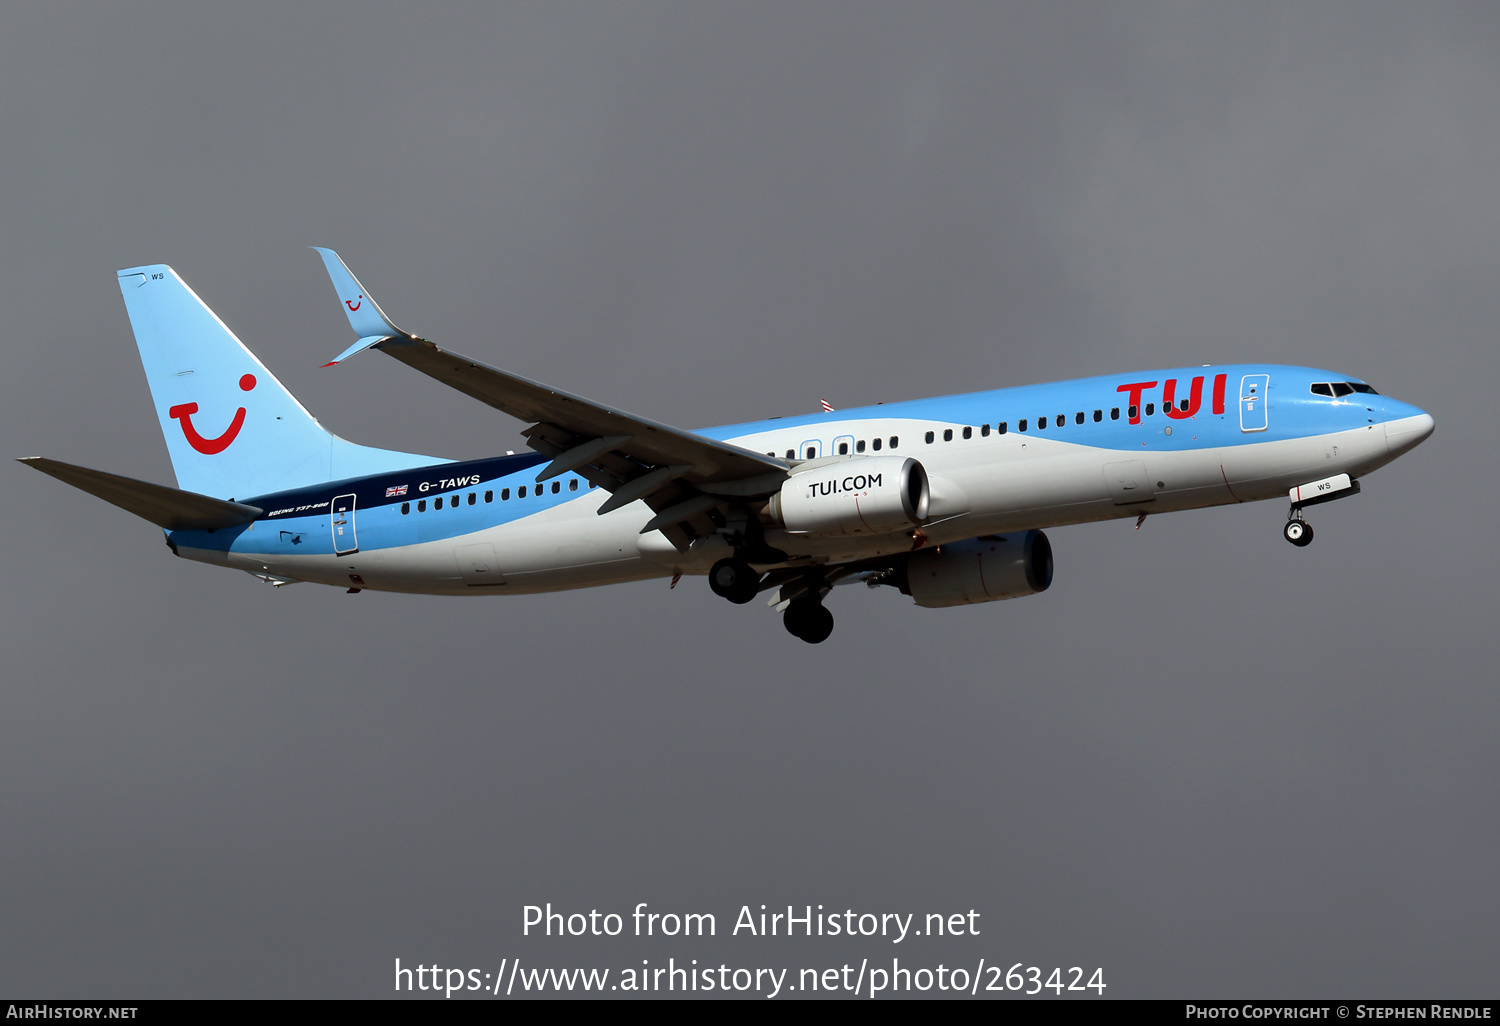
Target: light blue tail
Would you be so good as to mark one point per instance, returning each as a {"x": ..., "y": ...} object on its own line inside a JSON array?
[{"x": 232, "y": 429}]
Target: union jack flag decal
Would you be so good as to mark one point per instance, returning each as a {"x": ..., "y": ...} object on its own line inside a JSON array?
[{"x": 394, "y": 491}]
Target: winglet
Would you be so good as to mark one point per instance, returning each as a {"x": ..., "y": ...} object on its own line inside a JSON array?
[
  {"x": 365, "y": 316},
  {"x": 360, "y": 346}
]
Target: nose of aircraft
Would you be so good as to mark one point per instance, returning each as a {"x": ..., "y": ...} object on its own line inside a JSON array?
[{"x": 1405, "y": 433}]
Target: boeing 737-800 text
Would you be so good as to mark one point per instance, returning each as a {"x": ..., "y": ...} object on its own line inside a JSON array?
[{"x": 944, "y": 499}]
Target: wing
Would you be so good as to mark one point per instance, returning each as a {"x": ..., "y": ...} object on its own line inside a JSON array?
[{"x": 687, "y": 479}]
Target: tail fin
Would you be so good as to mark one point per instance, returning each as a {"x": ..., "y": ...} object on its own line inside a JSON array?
[{"x": 231, "y": 428}]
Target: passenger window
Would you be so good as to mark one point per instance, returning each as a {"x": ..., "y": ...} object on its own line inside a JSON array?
[
  {"x": 894, "y": 440},
  {"x": 875, "y": 445},
  {"x": 1182, "y": 404},
  {"x": 1098, "y": 416},
  {"x": 1061, "y": 419},
  {"x": 930, "y": 436},
  {"x": 556, "y": 487},
  {"x": 1323, "y": 388},
  {"x": 968, "y": 432},
  {"x": 1002, "y": 428},
  {"x": 1041, "y": 423},
  {"x": 947, "y": 434},
  {"x": 504, "y": 494},
  {"x": 1341, "y": 389},
  {"x": 593, "y": 484},
  {"x": 859, "y": 446},
  {"x": 521, "y": 492},
  {"x": 473, "y": 498},
  {"x": 421, "y": 505},
  {"x": 1132, "y": 412},
  {"x": 573, "y": 485},
  {"x": 984, "y": 431},
  {"x": 791, "y": 454},
  {"x": 1021, "y": 425},
  {"x": 811, "y": 452},
  {"x": 489, "y": 495},
  {"x": 405, "y": 508},
  {"x": 843, "y": 448},
  {"x": 1150, "y": 409},
  {"x": 437, "y": 503},
  {"x": 1079, "y": 418},
  {"x": 1114, "y": 414}
]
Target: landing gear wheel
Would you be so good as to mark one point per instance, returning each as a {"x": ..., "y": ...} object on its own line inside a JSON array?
[
  {"x": 1298, "y": 532},
  {"x": 811, "y": 621},
  {"x": 734, "y": 580}
]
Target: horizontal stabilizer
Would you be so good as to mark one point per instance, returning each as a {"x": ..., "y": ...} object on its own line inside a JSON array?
[{"x": 170, "y": 508}]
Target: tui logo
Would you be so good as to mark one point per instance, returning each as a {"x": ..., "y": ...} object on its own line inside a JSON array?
[{"x": 211, "y": 446}]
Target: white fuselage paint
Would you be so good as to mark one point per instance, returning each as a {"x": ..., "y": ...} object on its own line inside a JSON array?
[{"x": 980, "y": 486}]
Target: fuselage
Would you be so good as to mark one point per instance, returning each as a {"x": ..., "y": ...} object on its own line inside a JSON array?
[{"x": 1014, "y": 458}]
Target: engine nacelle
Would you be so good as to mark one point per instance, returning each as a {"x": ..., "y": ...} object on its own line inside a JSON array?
[
  {"x": 865, "y": 495},
  {"x": 980, "y": 570}
]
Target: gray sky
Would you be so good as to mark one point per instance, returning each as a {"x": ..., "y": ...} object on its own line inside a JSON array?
[{"x": 1205, "y": 761}]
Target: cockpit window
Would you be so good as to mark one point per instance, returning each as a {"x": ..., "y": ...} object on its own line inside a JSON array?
[{"x": 1339, "y": 389}]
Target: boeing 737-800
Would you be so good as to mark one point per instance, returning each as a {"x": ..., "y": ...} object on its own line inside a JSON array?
[{"x": 944, "y": 499}]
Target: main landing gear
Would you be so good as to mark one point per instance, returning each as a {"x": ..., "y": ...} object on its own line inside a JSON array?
[
  {"x": 807, "y": 618},
  {"x": 1297, "y": 531},
  {"x": 735, "y": 580}
]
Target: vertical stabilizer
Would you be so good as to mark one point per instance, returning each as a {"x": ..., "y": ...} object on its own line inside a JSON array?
[{"x": 232, "y": 429}]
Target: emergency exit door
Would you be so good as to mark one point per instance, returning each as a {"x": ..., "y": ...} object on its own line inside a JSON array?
[
  {"x": 344, "y": 540},
  {"x": 1253, "y": 401}
]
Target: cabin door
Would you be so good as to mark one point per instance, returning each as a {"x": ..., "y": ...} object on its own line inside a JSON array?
[
  {"x": 1253, "y": 401},
  {"x": 344, "y": 541}
]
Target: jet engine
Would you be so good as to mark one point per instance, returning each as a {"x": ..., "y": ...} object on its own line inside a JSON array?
[
  {"x": 862, "y": 496},
  {"x": 980, "y": 570}
]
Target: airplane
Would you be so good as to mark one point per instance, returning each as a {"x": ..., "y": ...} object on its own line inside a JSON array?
[{"x": 946, "y": 500}]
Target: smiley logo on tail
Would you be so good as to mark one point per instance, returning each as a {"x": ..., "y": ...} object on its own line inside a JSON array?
[
  {"x": 211, "y": 446},
  {"x": 354, "y": 304}
]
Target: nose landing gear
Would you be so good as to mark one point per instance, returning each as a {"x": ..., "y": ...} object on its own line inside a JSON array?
[{"x": 1297, "y": 531}]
